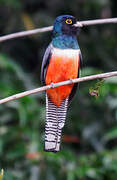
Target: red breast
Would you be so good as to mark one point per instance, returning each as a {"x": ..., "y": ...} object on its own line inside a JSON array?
[{"x": 63, "y": 65}]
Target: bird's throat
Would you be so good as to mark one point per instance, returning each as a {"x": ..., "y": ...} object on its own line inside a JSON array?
[{"x": 65, "y": 42}]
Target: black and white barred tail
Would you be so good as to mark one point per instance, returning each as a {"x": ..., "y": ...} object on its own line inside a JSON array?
[{"x": 55, "y": 120}]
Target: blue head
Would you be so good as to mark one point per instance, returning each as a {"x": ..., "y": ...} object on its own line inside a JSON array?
[
  {"x": 64, "y": 32},
  {"x": 65, "y": 25}
]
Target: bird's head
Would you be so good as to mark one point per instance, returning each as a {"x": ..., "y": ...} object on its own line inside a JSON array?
[{"x": 65, "y": 24}]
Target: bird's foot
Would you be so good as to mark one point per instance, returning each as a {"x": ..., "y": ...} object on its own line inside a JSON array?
[
  {"x": 71, "y": 80},
  {"x": 52, "y": 85}
]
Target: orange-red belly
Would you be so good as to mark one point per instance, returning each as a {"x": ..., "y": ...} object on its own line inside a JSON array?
[{"x": 64, "y": 64}]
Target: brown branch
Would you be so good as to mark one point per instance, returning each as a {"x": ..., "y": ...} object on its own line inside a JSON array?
[
  {"x": 44, "y": 88},
  {"x": 49, "y": 28}
]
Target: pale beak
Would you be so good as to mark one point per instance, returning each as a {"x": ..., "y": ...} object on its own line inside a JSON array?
[{"x": 78, "y": 24}]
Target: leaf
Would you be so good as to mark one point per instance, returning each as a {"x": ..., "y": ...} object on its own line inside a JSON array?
[
  {"x": 95, "y": 91},
  {"x": 112, "y": 134}
]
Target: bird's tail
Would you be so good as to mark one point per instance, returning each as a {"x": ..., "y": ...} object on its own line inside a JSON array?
[{"x": 55, "y": 120}]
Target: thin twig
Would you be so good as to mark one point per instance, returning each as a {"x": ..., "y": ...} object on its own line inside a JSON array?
[
  {"x": 99, "y": 21},
  {"x": 44, "y": 88},
  {"x": 49, "y": 28},
  {"x": 25, "y": 33}
]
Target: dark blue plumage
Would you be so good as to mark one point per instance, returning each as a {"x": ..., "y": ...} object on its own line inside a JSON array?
[{"x": 65, "y": 42}]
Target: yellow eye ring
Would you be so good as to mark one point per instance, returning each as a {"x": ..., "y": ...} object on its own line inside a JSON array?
[{"x": 68, "y": 21}]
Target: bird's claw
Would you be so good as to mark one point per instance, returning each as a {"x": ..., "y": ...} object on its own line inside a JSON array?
[
  {"x": 52, "y": 85},
  {"x": 71, "y": 80}
]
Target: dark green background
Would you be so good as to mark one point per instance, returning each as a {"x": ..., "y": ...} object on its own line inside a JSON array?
[{"x": 92, "y": 121}]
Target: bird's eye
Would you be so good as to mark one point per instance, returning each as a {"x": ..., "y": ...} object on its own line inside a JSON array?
[{"x": 68, "y": 21}]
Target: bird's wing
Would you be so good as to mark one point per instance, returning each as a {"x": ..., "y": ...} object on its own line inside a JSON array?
[
  {"x": 73, "y": 92},
  {"x": 45, "y": 62},
  {"x": 81, "y": 61}
]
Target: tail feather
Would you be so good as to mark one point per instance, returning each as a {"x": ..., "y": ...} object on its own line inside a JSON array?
[{"x": 55, "y": 120}]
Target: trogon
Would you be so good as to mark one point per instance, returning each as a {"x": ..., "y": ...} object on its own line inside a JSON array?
[{"x": 61, "y": 62}]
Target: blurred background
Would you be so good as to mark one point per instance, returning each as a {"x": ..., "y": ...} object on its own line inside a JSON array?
[{"x": 89, "y": 143}]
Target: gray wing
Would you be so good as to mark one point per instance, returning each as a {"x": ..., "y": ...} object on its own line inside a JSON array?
[
  {"x": 81, "y": 61},
  {"x": 45, "y": 62},
  {"x": 73, "y": 92}
]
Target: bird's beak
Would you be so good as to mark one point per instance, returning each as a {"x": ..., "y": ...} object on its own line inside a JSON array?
[{"x": 78, "y": 24}]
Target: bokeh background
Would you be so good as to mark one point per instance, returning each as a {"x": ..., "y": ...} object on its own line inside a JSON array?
[{"x": 89, "y": 143}]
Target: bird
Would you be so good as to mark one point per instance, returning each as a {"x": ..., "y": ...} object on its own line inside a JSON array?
[{"x": 62, "y": 61}]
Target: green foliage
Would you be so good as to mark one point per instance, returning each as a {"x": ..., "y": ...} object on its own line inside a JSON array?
[
  {"x": 17, "y": 131},
  {"x": 11, "y": 3},
  {"x": 95, "y": 91}
]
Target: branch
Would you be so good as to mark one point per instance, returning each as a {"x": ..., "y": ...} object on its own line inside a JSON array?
[
  {"x": 49, "y": 28},
  {"x": 53, "y": 85}
]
